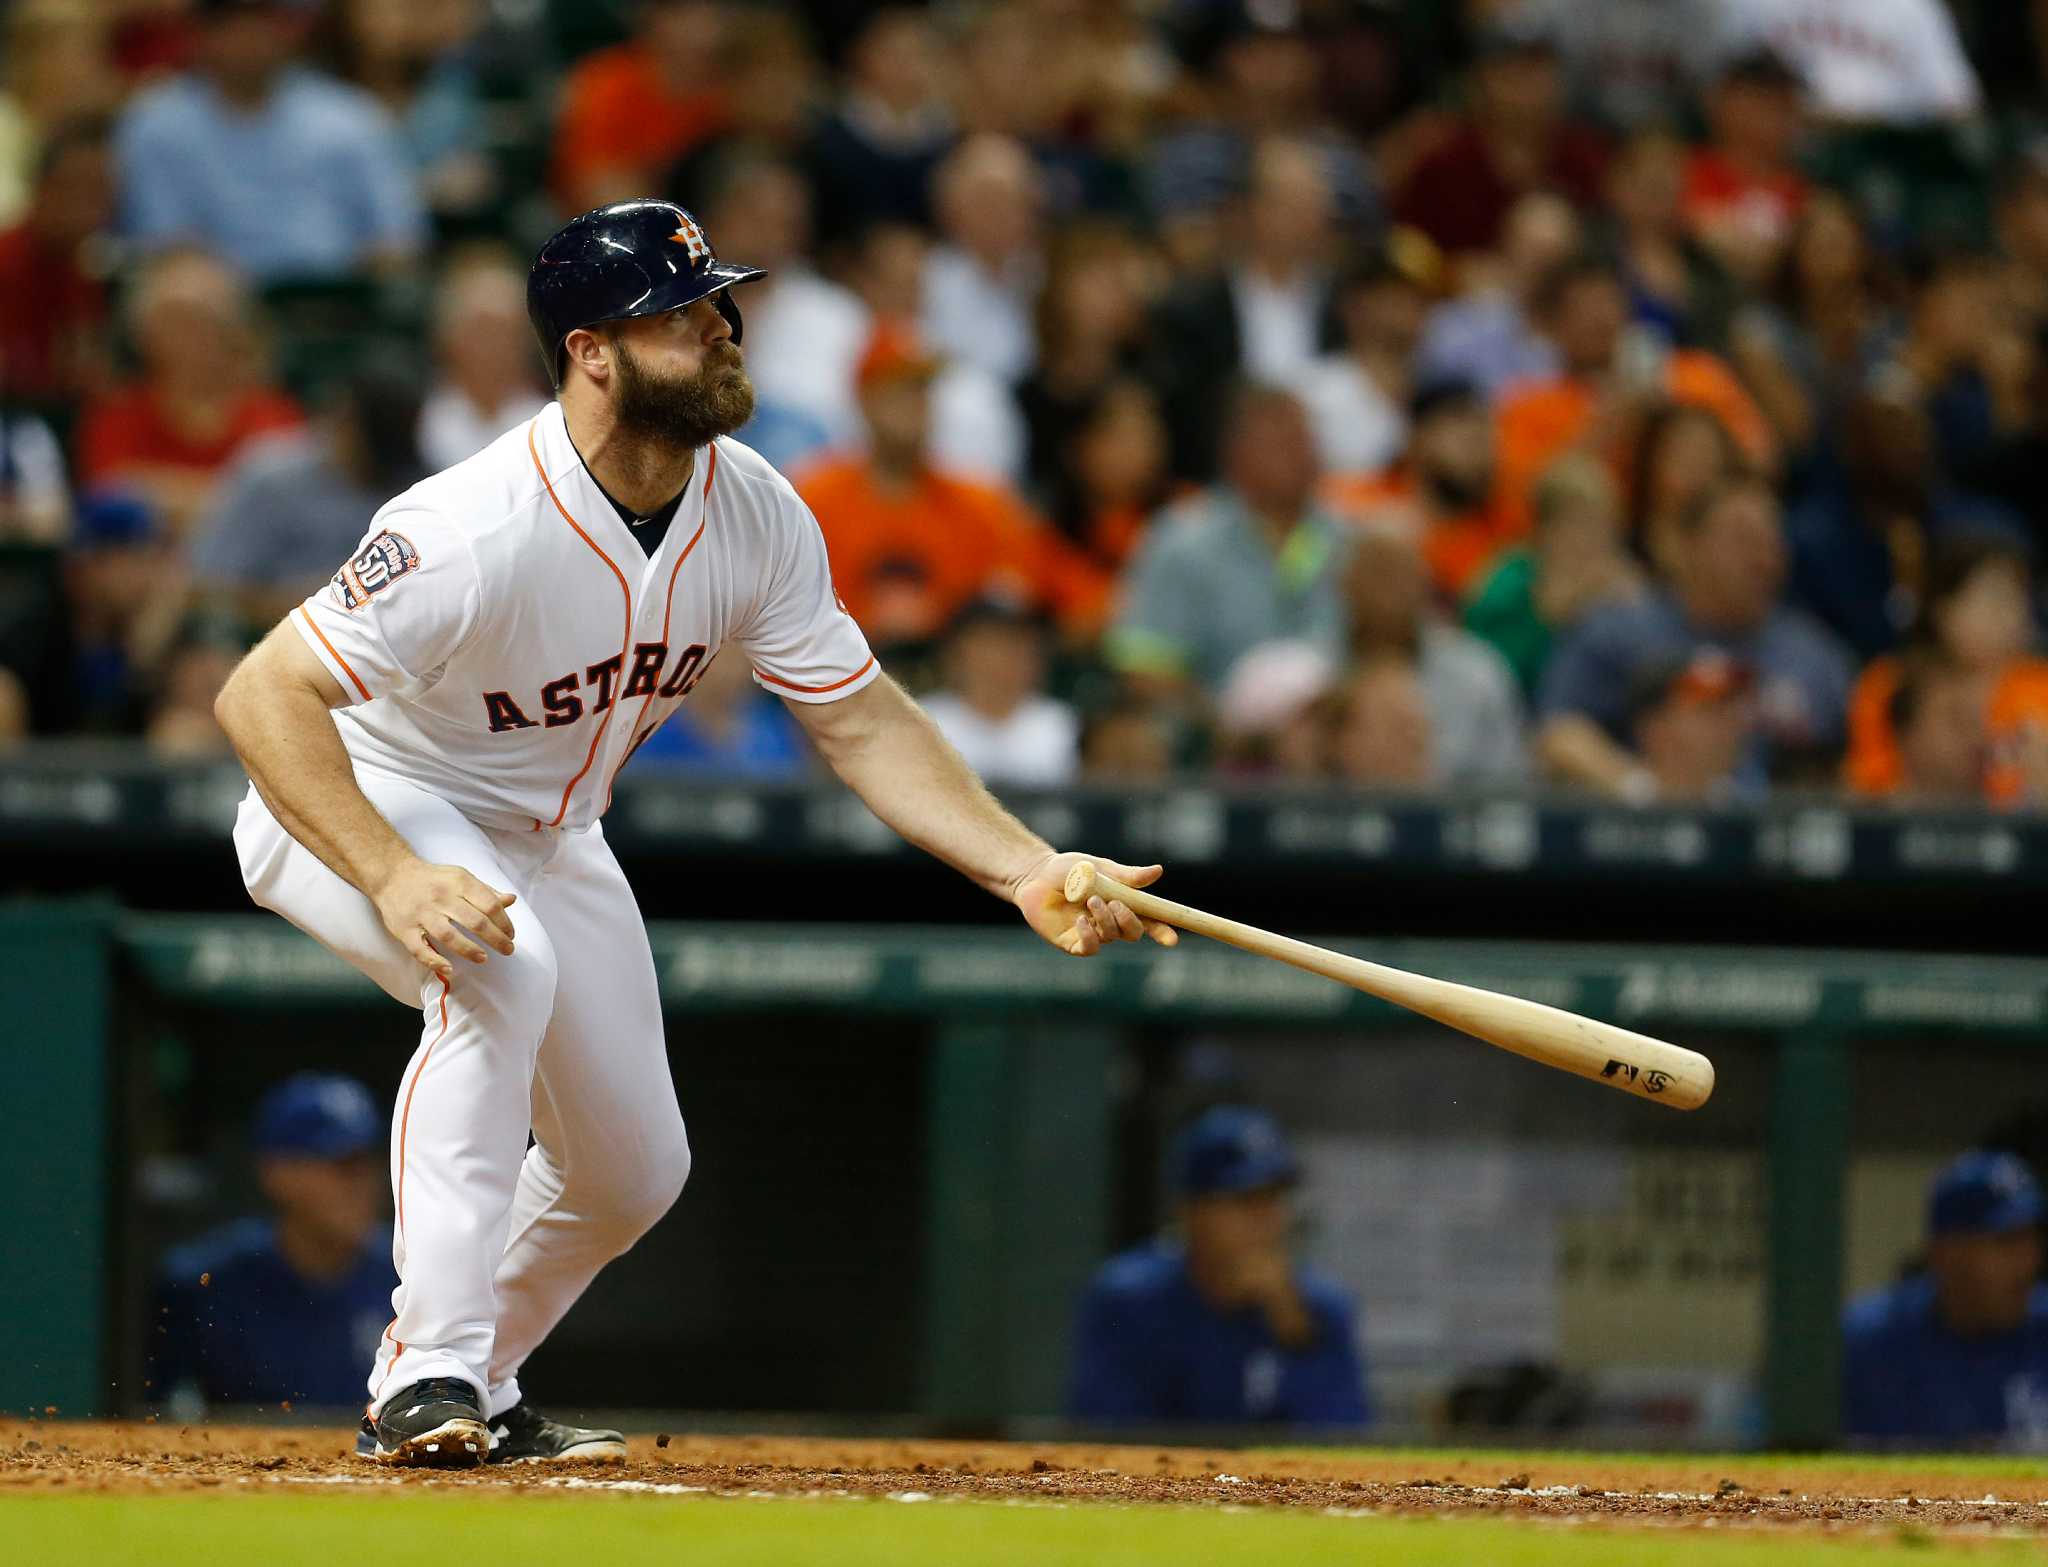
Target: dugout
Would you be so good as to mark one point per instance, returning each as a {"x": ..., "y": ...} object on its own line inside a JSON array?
[{"x": 913, "y": 1144}]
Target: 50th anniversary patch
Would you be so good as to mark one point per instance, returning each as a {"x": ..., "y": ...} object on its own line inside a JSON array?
[{"x": 381, "y": 562}]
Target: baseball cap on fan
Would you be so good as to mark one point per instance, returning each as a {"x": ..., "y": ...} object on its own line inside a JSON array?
[
  {"x": 316, "y": 1115},
  {"x": 1984, "y": 1193},
  {"x": 1230, "y": 1150}
]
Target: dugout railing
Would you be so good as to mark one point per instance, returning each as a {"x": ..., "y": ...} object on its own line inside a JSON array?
[{"x": 1018, "y": 1103}]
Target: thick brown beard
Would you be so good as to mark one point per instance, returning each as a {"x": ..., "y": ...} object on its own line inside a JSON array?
[{"x": 688, "y": 411}]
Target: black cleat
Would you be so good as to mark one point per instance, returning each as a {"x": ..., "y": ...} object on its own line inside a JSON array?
[
  {"x": 522, "y": 1435},
  {"x": 434, "y": 1424}
]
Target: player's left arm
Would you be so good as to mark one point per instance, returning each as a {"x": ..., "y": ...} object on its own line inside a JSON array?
[{"x": 893, "y": 756}]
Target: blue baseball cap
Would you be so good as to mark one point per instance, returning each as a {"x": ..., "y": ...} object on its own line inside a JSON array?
[
  {"x": 1232, "y": 1148},
  {"x": 316, "y": 1115},
  {"x": 1984, "y": 1194}
]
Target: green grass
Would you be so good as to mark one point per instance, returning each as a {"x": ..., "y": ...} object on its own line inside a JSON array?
[{"x": 623, "y": 1531}]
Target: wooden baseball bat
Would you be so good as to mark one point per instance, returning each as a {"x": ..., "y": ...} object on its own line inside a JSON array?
[{"x": 1636, "y": 1064}]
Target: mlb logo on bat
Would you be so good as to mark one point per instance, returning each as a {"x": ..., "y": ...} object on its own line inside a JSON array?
[{"x": 382, "y": 562}]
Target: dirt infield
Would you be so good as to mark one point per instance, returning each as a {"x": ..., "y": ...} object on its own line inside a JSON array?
[{"x": 148, "y": 1458}]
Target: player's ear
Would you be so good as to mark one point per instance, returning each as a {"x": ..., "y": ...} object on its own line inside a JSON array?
[{"x": 591, "y": 350}]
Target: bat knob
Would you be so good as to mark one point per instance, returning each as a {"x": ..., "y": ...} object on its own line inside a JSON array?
[{"x": 1081, "y": 882}]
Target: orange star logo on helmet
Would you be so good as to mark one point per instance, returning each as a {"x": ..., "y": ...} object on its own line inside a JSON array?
[{"x": 691, "y": 238}]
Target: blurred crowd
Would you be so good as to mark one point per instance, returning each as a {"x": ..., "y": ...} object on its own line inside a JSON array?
[{"x": 1638, "y": 397}]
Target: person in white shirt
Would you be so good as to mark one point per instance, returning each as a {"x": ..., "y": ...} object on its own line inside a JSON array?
[
  {"x": 1357, "y": 399},
  {"x": 981, "y": 283},
  {"x": 991, "y": 706},
  {"x": 1897, "y": 62},
  {"x": 432, "y": 738},
  {"x": 484, "y": 383},
  {"x": 805, "y": 333}
]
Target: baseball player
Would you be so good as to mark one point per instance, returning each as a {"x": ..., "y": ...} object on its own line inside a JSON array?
[{"x": 433, "y": 737}]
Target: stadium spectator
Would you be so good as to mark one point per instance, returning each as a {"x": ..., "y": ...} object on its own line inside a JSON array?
[
  {"x": 630, "y": 111},
  {"x": 1443, "y": 486},
  {"x": 1114, "y": 475},
  {"x": 976, "y": 427},
  {"x": 1127, "y": 742},
  {"x": 1743, "y": 189},
  {"x": 1958, "y": 1353},
  {"x": 1626, "y": 61},
  {"x": 285, "y": 171},
  {"x": 1573, "y": 564},
  {"x": 1383, "y": 735},
  {"x": 1936, "y": 715},
  {"x": 1469, "y": 694},
  {"x": 1808, "y": 345},
  {"x": 15, "y": 712},
  {"x": 1977, "y": 618},
  {"x": 202, "y": 395},
  {"x": 1513, "y": 139},
  {"x": 874, "y": 152},
  {"x": 1357, "y": 398},
  {"x": 295, "y": 506},
  {"x": 1675, "y": 284},
  {"x": 487, "y": 378},
  {"x": 2020, "y": 222},
  {"x": 774, "y": 85},
  {"x": 1690, "y": 721},
  {"x": 981, "y": 281},
  {"x": 53, "y": 300},
  {"x": 1264, "y": 314},
  {"x": 1725, "y": 594},
  {"x": 285, "y": 1309},
  {"x": 1488, "y": 335},
  {"x": 1090, "y": 323},
  {"x": 805, "y": 333},
  {"x": 1220, "y": 1324},
  {"x": 911, "y": 543},
  {"x": 991, "y": 702},
  {"x": 124, "y": 588},
  {"x": 1252, "y": 77},
  {"x": 414, "y": 58},
  {"x": 1611, "y": 375},
  {"x": 1272, "y": 718},
  {"x": 1860, "y": 551},
  {"x": 180, "y": 724},
  {"x": 1893, "y": 61},
  {"x": 54, "y": 68},
  {"x": 729, "y": 728},
  {"x": 1252, "y": 559},
  {"x": 1682, "y": 450}
]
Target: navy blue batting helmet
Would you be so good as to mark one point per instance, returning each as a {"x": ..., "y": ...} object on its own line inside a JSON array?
[{"x": 633, "y": 258}]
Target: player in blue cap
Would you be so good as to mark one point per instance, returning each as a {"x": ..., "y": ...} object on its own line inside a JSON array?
[
  {"x": 285, "y": 1308},
  {"x": 1220, "y": 1325},
  {"x": 1958, "y": 1354}
]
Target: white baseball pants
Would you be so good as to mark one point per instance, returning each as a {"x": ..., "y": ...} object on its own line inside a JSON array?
[{"x": 494, "y": 1240}]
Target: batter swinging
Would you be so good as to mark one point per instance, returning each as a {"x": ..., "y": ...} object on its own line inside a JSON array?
[{"x": 432, "y": 738}]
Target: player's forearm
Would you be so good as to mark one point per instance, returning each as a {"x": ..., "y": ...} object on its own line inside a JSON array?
[
  {"x": 892, "y": 755},
  {"x": 283, "y": 731}
]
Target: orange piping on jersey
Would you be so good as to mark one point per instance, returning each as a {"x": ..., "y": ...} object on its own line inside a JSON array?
[
  {"x": 404, "y": 1122},
  {"x": 625, "y": 647},
  {"x": 791, "y": 685},
  {"x": 352, "y": 675},
  {"x": 667, "y": 609}
]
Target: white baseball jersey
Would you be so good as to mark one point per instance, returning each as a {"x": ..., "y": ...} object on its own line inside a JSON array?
[{"x": 506, "y": 643}]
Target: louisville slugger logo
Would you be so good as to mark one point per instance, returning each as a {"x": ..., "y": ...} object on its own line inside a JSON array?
[
  {"x": 380, "y": 563},
  {"x": 1653, "y": 1082}
]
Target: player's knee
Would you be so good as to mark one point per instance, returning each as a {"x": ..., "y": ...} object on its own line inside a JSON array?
[{"x": 642, "y": 1194}]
